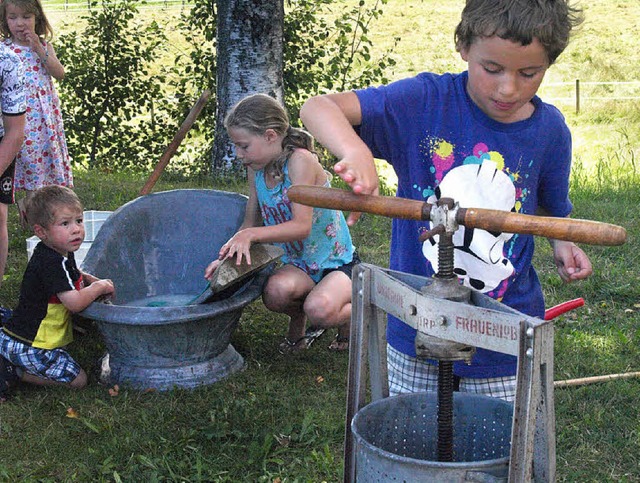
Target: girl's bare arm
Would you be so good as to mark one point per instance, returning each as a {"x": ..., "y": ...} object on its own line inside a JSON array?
[{"x": 47, "y": 56}]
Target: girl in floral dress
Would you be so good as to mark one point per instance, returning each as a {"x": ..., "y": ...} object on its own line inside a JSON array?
[
  {"x": 314, "y": 282},
  {"x": 44, "y": 158}
]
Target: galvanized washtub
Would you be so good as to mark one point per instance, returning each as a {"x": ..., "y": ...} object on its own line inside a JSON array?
[{"x": 155, "y": 249}]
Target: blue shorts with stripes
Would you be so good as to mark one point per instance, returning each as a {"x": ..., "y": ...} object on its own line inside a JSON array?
[{"x": 53, "y": 364}]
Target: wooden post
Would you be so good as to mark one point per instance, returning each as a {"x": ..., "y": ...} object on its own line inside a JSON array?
[{"x": 177, "y": 139}]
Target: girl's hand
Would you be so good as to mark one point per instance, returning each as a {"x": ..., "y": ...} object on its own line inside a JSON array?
[
  {"x": 36, "y": 44},
  {"x": 47, "y": 56},
  {"x": 239, "y": 246},
  {"x": 212, "y": 267},
  {"x": 571, "y": 261}
]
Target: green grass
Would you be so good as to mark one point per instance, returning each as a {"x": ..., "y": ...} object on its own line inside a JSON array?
[{"x": 282, "y": 419}]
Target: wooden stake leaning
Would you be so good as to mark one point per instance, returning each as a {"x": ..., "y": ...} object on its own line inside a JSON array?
[
  {"x": 591, "y": 380},
  {"x": 175, "y": 143}
]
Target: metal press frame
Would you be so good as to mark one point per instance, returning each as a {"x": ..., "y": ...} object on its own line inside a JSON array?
[
  {"x": 485, "y": 323},
  {"x": 442, "y": 318}
]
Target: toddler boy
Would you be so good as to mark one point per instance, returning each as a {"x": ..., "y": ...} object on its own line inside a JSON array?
[{"x": 33, "y": 340}]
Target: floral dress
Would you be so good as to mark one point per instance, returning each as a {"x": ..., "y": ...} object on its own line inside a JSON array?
[
  {"x": 44, "y": 158},
  {"x": 329, "y": 244}
]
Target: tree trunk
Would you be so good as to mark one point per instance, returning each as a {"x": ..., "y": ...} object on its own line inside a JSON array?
[{"x": 249, "y": 61}]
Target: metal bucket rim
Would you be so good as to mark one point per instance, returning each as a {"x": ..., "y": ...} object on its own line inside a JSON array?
[{"x": 480, "y": 464}]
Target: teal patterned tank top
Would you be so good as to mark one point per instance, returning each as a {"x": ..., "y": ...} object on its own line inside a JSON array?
[{"x": 329, "y": 244}]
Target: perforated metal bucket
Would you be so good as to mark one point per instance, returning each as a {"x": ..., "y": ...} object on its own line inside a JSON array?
[{"x": 396, "y": 439}]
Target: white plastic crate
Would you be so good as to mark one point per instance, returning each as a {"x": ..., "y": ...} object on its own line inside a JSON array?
[{"x": 93, "y": 221}]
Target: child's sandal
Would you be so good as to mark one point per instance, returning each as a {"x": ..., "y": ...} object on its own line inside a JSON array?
[
  {"x": 313, "y": 332},
  {"x": 287, "y": 346},
  {"x": 340, "y": 343}
]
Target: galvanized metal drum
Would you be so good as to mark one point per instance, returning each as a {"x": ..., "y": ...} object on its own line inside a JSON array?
[{"x": 396, "y": 439}]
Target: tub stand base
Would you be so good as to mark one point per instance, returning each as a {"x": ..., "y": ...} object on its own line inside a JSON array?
[{"x": 166, "y": 378}]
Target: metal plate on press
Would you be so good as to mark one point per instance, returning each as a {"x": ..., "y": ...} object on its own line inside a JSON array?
[{"x": 463, "y": 323}]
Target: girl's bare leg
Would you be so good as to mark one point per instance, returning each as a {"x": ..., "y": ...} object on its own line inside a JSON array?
[
  {"x": 329, "y": 305},
  {"x": 285, "y": 293}
]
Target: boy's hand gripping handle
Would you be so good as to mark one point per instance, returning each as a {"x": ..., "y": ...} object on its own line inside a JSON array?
[{"x": 569, "y": 229}]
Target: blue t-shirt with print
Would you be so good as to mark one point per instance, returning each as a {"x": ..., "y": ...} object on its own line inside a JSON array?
[{"x": 441, "y": 144}]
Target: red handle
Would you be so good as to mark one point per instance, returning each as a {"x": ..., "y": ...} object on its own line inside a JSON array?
[{"x": 560, "y": 309}]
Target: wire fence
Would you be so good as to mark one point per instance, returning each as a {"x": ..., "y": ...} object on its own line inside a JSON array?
[
  {"x": 557, "y": 92},
  {"x": 67, "y": 6},
  {"x": 579, "y": 91}
]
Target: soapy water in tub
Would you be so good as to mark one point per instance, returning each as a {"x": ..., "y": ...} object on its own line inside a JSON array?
[{"x": 178, "y": 300}]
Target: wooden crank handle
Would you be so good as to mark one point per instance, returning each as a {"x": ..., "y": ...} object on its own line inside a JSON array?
[
  {"x": 337, "y": 199},
  {"x": 581, "y": 231},
  {"x": 569, "y": 229}
]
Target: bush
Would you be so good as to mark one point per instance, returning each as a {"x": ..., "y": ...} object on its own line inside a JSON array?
[
  {"x": 119, "y": 116},
  {"x": 115, "y": 113}
]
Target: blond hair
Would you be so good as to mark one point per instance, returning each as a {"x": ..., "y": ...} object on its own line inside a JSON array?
[
  {"x": 43, "y": 28},
  {"x": 258, "y": 113},
  {"x": 42, "y": 205}
]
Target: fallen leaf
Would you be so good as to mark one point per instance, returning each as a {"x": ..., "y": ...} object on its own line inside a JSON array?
[
  {"x": 283, "y": 439},
  {"x": 319, "y": 379},
  {"x": 72, "y": 413}
]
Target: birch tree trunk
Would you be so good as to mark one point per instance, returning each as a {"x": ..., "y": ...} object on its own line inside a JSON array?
[{"x": 249, "y": 61}]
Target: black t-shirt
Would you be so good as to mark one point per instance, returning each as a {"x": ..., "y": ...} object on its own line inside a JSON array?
[{"x": 40, "y": 319}]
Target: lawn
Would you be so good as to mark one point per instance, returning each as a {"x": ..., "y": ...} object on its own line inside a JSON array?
[{"x": 282, "y": 418}]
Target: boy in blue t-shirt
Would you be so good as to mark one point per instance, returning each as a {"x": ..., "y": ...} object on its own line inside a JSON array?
[{"x": 481, "y": 137}]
